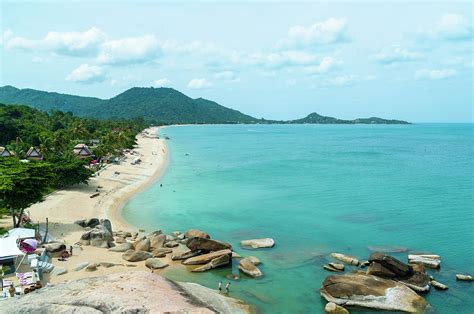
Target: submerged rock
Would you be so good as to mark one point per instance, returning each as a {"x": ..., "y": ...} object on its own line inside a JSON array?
[
  {"x": 368, "y": 291},
  {"x": 388, "y": 249},
  {"x": 350, "y": 260},
  {"x": 333, "y": 308},
  {"x": 258, "y": 243}
]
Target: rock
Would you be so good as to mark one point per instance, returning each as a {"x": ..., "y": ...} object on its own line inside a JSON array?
[
  {"x": 232, "y": 276},
  {"x": 142, "y": 245},
  {"x": 333, "y": 308},
  {"x": 368, "y": 291},
  {"x": 91, "y": 267},
  {"x": 107, "y": 264},
  {"x": 161, "y": 252},
  {"x": 80, "y": 222},
  {"x": 334, "y": 267},
  {"x": 254, "y": 260},
  {"x": 388, "y": 249},
  {"x": 431, "y": 261},
  {"x": 122, "y": 247},
  {"x": 350, "y": 260},
  {"x": 216, "y": 262},
  {"x": 181, "y": 254},
  {"x": 206, "y": 245},
  {"x": 171, "y": 244},
  {"x": 418, "y": 267},
  {"x": 364, "y": 264},
  {"x": 249, "y": 268},
  {"x": 462, "y": 277},
  {"x": 157, "y": 241},
  {"x": 101, "y": 237},
  {"x": 136, "y": 256},
  {"x": 154, "y": 233},
  {"x": 107, "y": 225},
  {"x": 400, "y": 269},
  {"x": 58, "y": 271},
  {"x": 81, "y": 266},
  {"x": 194, "y": 233},
  {"x": 258, "y": 243},
  {"x": 123, "y": 234},
  {"x": 170, "y": 238},
  {"x": 91, "y": 222},
  {"x": 379, "y": 270},
  {"x": 124, "y": 292},
  {"x": 134, "y": 235},
  {"x": 155, "y": 263},
  {"x": 236, "y": 255},
  {"x": 417, "y": 281},
  {"x": 176, "y": 233},
  {"x": 55, "y": 247},
  {"x": 206, "y": 258},
  {"x": 120, "y": 240},
  {"x": 438, "y": 285}
]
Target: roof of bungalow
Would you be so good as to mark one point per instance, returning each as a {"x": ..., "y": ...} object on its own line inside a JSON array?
[
  {"x": 34, "y": 152},
  {"x": 82, "y": 150},
  {"x": 4, "y": 152}
]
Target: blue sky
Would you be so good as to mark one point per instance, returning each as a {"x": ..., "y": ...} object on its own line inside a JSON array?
[{"x": 277, "y": 60}]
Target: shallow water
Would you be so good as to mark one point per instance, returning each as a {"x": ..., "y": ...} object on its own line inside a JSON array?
[{"x": 318, "y": 189}]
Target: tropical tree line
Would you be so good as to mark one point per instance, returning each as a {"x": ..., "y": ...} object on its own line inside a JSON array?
[{"x": 54, "y": 135}]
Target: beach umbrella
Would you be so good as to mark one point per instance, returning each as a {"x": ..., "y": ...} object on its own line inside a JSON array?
[{"x": 28, "y": 245}]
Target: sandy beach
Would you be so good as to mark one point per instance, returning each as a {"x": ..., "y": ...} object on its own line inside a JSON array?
[{"x": 116, "y": 184}]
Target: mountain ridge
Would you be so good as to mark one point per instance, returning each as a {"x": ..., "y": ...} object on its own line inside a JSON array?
[{"x": 157, "y": 105}]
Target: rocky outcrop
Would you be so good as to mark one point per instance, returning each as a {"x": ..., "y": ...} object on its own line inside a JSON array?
[
  {"x": 429, "y": 260},
  {"x": 192, "y": 233},
  {"x": 214, "y": 263},
  {"x": 350, "y": 260},
  {"x": 258, "y": 243},
  {"x": 368, "y": 291},
  {"x": 128, "y": 292},
  {"x": 136, "y": 256},
  {"x": 206, "y": 245},
  {"x": 206, "y": 258},
  {"x": 247, "y": 266},
  {"x": 391, "y": 265},
  {"x": 100, "y": 236}
]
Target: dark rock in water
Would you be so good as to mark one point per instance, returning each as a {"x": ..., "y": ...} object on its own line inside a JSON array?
[
  {"x": 391, "y": 263},
  {"x": 417, "y": 281},
  {"x": 206, "y": 245},
  {"x": 248, "y": 267},
  {"x": 232, "y": 276},
  {"x": 367, "y": 291},
  {"x": 379, "y": 270},
  {"x": 388, "y": 249},
  {"x": 206, "y": 258}
]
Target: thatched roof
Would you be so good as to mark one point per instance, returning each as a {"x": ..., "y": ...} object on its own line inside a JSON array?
[
  {"x": 34, "y": 153},
  {"x": 82, "y": 150}
]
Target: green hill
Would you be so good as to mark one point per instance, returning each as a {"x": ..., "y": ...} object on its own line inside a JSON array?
[{"x": 156, "y": 105}]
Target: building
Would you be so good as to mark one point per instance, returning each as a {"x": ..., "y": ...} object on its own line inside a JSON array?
[
  {"x": 4, "y": 152},
  {"x": 82, "y": 151},
  {"x": 34, "y": 154}
]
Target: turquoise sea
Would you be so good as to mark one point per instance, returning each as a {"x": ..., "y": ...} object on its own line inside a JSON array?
[{"x": 318, "y": 189}]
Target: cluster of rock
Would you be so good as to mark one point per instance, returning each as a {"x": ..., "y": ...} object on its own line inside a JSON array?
[
  {"x": 98, "y": 232},
  {"x": 386, "y": 284}
]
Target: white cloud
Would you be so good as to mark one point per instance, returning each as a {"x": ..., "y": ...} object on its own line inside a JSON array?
[
  {"x": 396, "y": 54},
  {"x": 435, "y": 74},
  {"x": 130, "y": 50},
  {"x": 326, "y": 65},
  {"x": 163, "y": 82},
  {"x": 453, "y": 27},
  {"x": 330, "y": 31},
  {"x": 199, "y": 83},
  {"x": 86, "y": 74},
  {"x": 227, "y": 76}
]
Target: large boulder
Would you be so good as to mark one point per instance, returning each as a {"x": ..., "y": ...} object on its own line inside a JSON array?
[
  {"x": 142, "y": 245},
  {"x": 206, "y": 245},
  {"x": 350, "y": 260},
  {"x": 55, "y": 247},
  {"x": 161, "y": 252},
  {"x": 258, "y": 243},
  {"x": 155, "y": 263},
  {"x": 136, "y": 256},
  {"x": 379, "y": 270},
  {"x": 400, "y": 269},
  {"x": 216, "y": 262},
  {"x": 107, "y": 225},
  {"x": 206, "y": 258},
  {"x": 122, "y": 247},
  {"x": 191, "y": 233},
  {"x": 157, "y": 241},
  {"x": 91, "y": 223},
  {"x": 368, "y": 291},
  {"x": 247, "y": 266},
  {"x": 101, "y": 237}
]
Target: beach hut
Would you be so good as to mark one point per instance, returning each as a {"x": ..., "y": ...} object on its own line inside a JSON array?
[
  {"x": 4, "y": 152},
  {"x": 82, "y": 151},
  {"x": 21, "y": 233},
  {"x": 34, "y": 154},
  {"x": 10, "y": 252}
]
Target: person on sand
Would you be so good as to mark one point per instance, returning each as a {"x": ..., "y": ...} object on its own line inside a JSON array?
[
  {"x": 220, "y": 286},
  {"x": 227, "y": 288}
]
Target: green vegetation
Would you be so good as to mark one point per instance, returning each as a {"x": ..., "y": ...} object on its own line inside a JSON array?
[
  {"x": 156, "y": 105},
  {"x": 24, "y": 182}
]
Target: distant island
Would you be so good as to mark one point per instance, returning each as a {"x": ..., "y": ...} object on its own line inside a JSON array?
[{"x": 158, "y": 106}]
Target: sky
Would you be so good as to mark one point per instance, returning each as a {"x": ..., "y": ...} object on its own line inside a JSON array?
[{"x": 277, "y": 60}]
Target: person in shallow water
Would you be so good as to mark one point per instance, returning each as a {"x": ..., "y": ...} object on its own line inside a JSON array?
[
  {"x": 227, "y": 287},
  {"x": 220, "y": 286}
]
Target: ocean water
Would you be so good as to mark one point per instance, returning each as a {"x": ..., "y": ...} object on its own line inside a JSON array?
[{"x": 318, "y": 189}]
